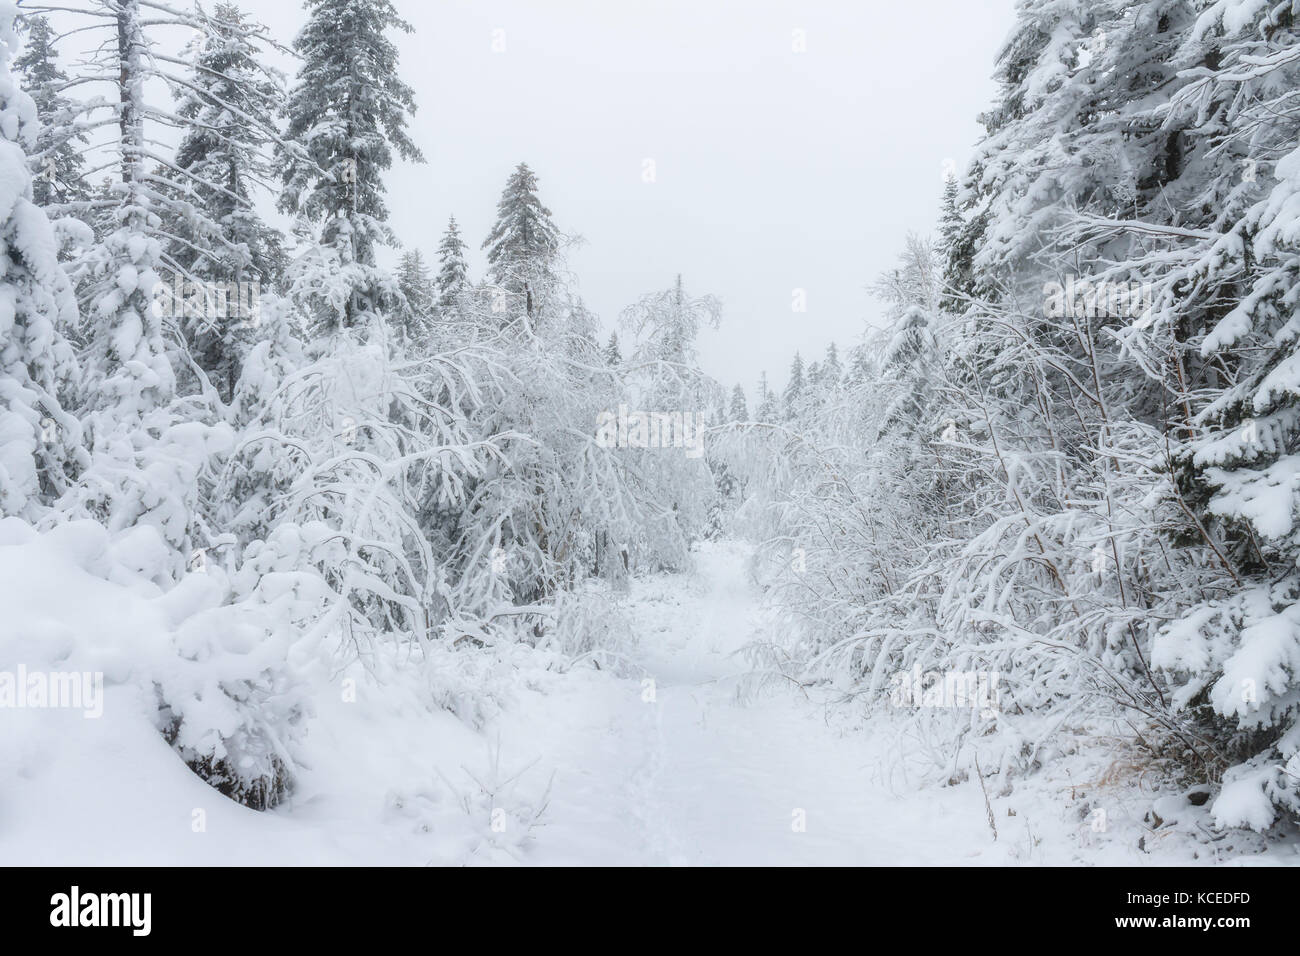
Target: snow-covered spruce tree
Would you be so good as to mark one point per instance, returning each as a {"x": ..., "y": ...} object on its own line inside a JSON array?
[
  {"x": 101, "y": 213},
  {"x": 861, "y": 367},
  {"x": 832, "y": 367},
  {"x": 149, "y": 199},
  {"x": 733, "y": 409},
  {"x": 348, "y": 114},
  {"x": 908, "y": 363},
  {"x": 718, "y": 415},
  {"x": 41, "y": 449},
  {"x": 1226, "y": 315},
  {"x": 215, "y": 239},
  {"x": 738, "y": 408},
  {"x": 55, "y": 159},
  {"x": 956, "y": 258},
  {"x": 768, "y": 409},
  {"x": 613, "y": 354},
  {"x": 523, "y": 245},
  {"x": 453, "y": 271},
  {"x": 794, "y": 386},
  {"x": 419, "y": 298}
]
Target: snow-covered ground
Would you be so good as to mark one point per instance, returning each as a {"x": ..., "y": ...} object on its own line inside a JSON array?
[{"x": 674, "y": 759}]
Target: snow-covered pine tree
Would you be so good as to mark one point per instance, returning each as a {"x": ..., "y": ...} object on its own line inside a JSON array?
[
  {"x": 768, "y": 408},
  {"x": 954, "y": 247},
  {"x": 861, "y": 367},
  {"x": 215, "y": 239},
  {"x": 56, "y": 158},
  {"x": 613, "y": 355},
  {"x": 41, "y": 450},
  {"x": 1227, "y": 311},
  {"x": 453, "y": 269},
  {"x": 832, "y": 368},
  {"x": 908, "y": 370},
  {"x": 738, "y": 410},
  {"x": 794, "y": 388},
  {"x": 348, "y": 114},
  {"x": 951, "y": 221},
  {"x": 418, "y": 294},
  {"x": 523, "y": 244}
]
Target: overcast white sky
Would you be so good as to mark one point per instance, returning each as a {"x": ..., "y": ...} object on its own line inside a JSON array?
[{"x": 774, "y": 170}]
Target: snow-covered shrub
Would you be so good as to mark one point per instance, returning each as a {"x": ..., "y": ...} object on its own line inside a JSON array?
[
  {"x": 590, "y": 624},
  {"x": 222, "y": 663}
]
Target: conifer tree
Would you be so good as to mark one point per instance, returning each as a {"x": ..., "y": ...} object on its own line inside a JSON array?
[
  {"x": 413, "y": 279},
  {"x": 56, "y": 157},
  {"x": 738, "y": 410},
  {"x": 215, "y": 236},
  {"x": 954, "y": 246},
  {"x": 348, "y": 114},
  {"x": 613, "y": 356},
  {"x": 40, "y": 443},
  {"x": 453, "y": 270},
  {"x": 832, "y": 369},
  {"x": 794, "y": 388},
  {"x": 523, "y": 244},
  {"x": 418, "y": 296},
  {"x": 768, "y": 409}
]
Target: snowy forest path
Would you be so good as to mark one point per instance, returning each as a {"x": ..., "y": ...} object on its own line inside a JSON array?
[
  {"x": 659, "y": 763},
  {"x": 682, "y": 771}
]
